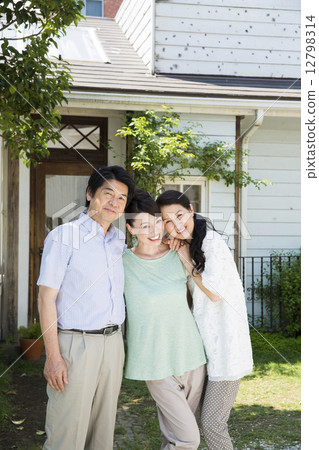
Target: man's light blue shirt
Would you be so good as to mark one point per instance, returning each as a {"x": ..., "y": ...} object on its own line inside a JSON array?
[{"x": 85, "y": 265}]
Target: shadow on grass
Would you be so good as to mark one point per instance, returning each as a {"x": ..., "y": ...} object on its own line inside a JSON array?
[{"x": 257, "y": 425}]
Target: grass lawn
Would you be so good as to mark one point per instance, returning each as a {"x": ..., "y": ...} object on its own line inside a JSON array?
[
  {"x": 266, "y": 414},
  {"x": 267, "y": 409}
]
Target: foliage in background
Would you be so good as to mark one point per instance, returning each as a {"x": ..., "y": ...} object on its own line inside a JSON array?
[
  {"x": 282, "y": 295},
  {"x": 216, "y": 161},
  {"x": 31, "y": 82},
  {"x": 160, "y": 148},
  {"x": 33, "y": 331}
]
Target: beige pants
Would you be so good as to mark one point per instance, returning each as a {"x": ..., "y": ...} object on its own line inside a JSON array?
[
  {"x": 177, "y": 399},
  {"x": 83, "y": 416}
]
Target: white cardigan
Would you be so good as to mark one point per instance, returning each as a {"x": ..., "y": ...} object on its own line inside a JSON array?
[{"x": 223, "y": 325}]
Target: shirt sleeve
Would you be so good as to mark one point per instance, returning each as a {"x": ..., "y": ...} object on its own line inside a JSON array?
[
  {"x": 56, "y": 257},
  {"x": 220, "y": 268}
]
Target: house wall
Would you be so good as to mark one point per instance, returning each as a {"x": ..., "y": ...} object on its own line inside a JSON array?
[
  {"x": 272, "y": 215},
  {"x": 111, "y": 7},
  {"x": 273, "y": 212},
  {"x": 251, "y": 38},
  {"x": 135, "y": 19},
  {"x": 23, "y": 250},
  {"x": 220, "y": 204}
]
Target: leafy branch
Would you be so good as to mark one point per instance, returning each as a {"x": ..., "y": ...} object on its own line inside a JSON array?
[
  {"x": 160, "y": 148},
  {"x": 32, "y": 85}
]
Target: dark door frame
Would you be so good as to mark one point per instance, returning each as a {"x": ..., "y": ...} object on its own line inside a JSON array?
[{"x": 61, "y": 162}]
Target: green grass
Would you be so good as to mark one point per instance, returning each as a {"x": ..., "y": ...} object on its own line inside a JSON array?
[{"x": 267, "y": 408}]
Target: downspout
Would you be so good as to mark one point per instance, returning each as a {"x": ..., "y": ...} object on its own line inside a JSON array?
[
  {"x": 153, "y": 17},
  {"x": 244, "y": 139}
]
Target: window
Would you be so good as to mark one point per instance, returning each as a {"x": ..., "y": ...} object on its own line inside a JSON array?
[
  {"x": 93, "y": 8},
  {"x": 79, "y": 44},
  {"x": 83, "y": 138},
  {"x": 195, "y": 190}
]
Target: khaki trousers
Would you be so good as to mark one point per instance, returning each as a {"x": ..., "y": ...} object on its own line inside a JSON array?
[
  {"x": 83, "y": 416},
  {"x": 177, "y": 399}
]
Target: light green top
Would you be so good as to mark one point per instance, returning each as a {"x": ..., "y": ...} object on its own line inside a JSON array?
[{"x": 162, "y": 335}]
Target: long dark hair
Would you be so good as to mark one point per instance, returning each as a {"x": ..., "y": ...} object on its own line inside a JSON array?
[{"x": 201, "y": 225}]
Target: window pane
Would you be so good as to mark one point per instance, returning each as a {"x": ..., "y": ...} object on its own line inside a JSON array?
[
  {"x": 174, "y": 187},
  {"x": 64, "y": 199},
  {"x": 94, "y": 8},
  {"x": 81, "y": 137},
  {"x": 193, "y": 192},
  {"x": 79, "y": 44}
]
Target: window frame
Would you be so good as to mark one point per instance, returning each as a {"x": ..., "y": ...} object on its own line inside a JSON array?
[{"x": 197, "y": 182}]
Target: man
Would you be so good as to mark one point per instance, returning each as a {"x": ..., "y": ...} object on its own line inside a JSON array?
[{"x": 81, "y": 309}]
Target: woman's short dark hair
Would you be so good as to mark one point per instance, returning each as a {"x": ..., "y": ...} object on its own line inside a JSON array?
[
  {"x": 142, "y": 202},
  {"x": 201, "y": 225},
  {"x": 103, "y": 173}
]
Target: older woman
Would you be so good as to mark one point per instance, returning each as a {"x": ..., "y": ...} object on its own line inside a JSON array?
[
  {"x": 164, "y": 346},
  {"x": 219, "y": 310}
]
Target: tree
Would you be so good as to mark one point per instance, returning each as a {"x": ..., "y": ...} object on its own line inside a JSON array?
[
  {"x": 32, "y": 85},
  {"x": 161, "y": 149}
]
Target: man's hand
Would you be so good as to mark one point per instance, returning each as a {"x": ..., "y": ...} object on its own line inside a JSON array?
[
  {"x": 56, "y": 374},
  {"x": 55, "y": 370}
]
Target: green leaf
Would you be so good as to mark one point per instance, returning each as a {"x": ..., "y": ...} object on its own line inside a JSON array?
[{"x": 18, "y": 422}]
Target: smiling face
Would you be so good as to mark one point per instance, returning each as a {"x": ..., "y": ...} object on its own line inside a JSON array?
[
  {"x": 178, "y": 221},
  {"x": 147, "y": 228},
  {"x": 108, "y": 202}
]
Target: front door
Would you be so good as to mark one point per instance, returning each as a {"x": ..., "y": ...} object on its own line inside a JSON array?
[{"x": 58, "y": 186}]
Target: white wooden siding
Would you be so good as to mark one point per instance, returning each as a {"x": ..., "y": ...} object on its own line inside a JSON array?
[
  {"x": 134, "y": 18},
  {"x": 117, "y": 153},
  {"x": 273, "y": 212},
  {"x": 228, "y": 38},
  {"x": 220, "y": 198}
]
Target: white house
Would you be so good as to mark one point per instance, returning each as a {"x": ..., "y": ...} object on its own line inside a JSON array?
[{"x": 231, "y": 66}]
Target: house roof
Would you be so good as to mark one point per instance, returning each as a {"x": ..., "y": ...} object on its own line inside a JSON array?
[{"x": 126, "y": 73}]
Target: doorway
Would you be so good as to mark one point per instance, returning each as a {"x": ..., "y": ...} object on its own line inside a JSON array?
[{"x": 58, "y": 186}]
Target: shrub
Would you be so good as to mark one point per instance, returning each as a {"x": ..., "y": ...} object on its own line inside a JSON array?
[
  {"x": 281, "y": 292},
  {"x": 32, "y": 332}
]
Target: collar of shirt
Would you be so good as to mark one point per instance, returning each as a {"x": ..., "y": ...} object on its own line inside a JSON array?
[{"x": 92, "y": 225}]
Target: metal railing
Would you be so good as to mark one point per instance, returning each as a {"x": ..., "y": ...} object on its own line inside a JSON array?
[{"x": 260, "y": 275}]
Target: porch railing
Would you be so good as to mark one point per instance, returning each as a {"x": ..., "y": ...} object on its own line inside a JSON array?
[{"x": 257, "y": 275}]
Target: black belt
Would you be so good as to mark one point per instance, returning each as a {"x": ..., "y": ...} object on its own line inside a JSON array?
[{"x": 105, "y": 330}]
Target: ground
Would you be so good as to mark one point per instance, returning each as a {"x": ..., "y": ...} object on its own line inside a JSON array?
[
  {"x": 27, "y": 393},
  {"x": 28, "y": 396}
]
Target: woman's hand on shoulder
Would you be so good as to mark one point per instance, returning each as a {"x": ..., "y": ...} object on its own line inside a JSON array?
[{"x": 174, "y": 244}]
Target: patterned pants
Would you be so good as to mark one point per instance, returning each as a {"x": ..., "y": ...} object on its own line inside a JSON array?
[{"x": 218, "y": 402}]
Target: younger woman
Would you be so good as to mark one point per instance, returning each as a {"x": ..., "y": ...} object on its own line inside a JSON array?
[
  {"x": 164, "y": 346},
  {"x": 219, "y": 310}
]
